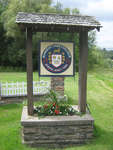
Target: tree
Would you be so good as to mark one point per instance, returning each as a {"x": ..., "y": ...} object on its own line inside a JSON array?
[
  {"x": 67, "y": 11},
  {"x": 58, "y": 8},
  {"x": 15, "y": 6},
  {"x": 75, "y": 11},
  {"x": 16, "y": 50},
  {"x": 91, "y": 39},
  {"x": 4, "y": 41},
  {"x": 14, "y": 41}
]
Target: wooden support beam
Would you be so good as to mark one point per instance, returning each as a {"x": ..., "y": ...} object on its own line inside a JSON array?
[
  {"x": 83, "y": 61},
  {"x": 29, "y": 72}
]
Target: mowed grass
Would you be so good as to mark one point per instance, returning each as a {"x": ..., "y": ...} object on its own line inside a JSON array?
[
  {"x": 99, "y": 99},
  {"x": 18, "y": 77}
]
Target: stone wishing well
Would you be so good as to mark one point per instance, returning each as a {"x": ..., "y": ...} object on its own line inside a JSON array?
[{"x": 60, "y": 131}]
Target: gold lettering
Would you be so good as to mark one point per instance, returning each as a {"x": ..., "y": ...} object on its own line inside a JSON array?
[{"x": 57, "y": 51}]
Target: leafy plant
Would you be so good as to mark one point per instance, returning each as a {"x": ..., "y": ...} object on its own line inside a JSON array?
[{"x": 54, "y": 107}]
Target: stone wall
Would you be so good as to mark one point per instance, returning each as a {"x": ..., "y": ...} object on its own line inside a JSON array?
[
  {"x": 53, "y": 132},
  {"x": 57, "y": 84}
]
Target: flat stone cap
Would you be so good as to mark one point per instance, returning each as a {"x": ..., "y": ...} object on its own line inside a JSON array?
[
  {"x": 27, "y": 120},
  {"x": 59, "y": 19}
]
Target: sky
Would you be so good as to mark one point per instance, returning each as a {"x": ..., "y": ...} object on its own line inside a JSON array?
[{"x": 102, "y": 10}]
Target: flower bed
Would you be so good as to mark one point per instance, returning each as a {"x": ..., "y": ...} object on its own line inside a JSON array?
[{"x": 55, "y": 107}]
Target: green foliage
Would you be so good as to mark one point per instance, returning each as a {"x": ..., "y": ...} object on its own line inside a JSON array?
[
  {"x": 58, "y": 8},
  {"x": 108, "y": 54},
  {"x": 13, "y": 49},
  {"x": 75, "y": 11},
  {"x": 53, "y": 96},
  {"x": 91, "y": 39},
  {"x": 55, "y": 107},
  {"x": 12, "y": 40},
  {"x": 15, "y": 6},
  {"x": 67, "y": 11},
  {"x": 12, "y": 52},
  {"x": 97, "y": 58}
]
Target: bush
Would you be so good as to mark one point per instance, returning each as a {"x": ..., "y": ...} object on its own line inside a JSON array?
[{"x": 52, "y": 109}]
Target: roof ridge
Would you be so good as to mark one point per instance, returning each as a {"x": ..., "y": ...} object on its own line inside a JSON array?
[{"x": 55, "y": 14}]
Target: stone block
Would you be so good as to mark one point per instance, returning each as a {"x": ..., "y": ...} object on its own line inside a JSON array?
[
  {"x": 56, "y": 131},
  {"x": 57, "y": 84}
]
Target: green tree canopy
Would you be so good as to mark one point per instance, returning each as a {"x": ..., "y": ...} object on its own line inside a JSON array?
[
  {"x": 15, "y": 6},
  {"x": 12, "y": 40}
]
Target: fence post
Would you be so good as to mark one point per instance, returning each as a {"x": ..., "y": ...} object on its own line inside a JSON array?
[{"x": 0, "y": 91}]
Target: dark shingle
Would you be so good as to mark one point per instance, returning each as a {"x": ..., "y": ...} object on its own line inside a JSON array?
[{"x": 57, "y": 19}]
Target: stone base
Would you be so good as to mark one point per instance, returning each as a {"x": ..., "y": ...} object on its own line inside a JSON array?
[{"x": 56, "y": 131}]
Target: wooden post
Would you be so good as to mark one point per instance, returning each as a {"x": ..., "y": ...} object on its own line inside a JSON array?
[
  {"x": 83, "y": 61},
  {"x": 29, "y": 71}
]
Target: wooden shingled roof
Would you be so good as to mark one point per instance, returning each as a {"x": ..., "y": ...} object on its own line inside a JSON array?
[{"x": 56, "y": 22}]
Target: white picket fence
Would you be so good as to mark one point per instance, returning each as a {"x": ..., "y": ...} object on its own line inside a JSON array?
[{"x": 20, "y": 88}]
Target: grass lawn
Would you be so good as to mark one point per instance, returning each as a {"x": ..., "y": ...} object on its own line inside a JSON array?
[{"x": 100, "y": 101}]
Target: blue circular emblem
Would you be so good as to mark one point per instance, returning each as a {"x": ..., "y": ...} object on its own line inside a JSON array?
[{"x": 56, "y": 58}]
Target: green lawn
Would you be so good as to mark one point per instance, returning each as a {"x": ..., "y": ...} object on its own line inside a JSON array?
[
  {"x": 100, "y": 101},
  {"x": 18, "y": 76}
]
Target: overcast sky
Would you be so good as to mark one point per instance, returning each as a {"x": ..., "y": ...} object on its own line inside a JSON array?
[{"x": 102, "y": 10}]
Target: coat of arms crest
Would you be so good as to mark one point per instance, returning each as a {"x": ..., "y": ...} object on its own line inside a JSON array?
[{"x": 56, "y": 60}]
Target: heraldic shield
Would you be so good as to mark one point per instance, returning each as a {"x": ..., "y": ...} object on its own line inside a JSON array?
[{"x": 56, "y": 60}]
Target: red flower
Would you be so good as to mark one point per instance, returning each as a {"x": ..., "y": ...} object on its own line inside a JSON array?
[
  {"x": 54, "y": 104},
  {"x": 57, "y": 111}
]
